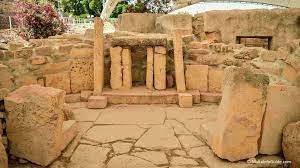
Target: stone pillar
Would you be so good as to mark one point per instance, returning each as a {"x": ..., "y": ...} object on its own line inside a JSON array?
[
  {"x": 116, "y": 67},
  {"x": 240, "y": 115},
  {"x": 98, "y": 57},
  {"x": 160, "y": 61},
  {"x": 149, "y": 71},
  {"x": 126, "y": 63},
  {"x": 178, "y": 61}
]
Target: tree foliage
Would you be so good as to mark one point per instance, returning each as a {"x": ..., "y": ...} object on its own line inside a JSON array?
[
  {"x": 38, "y": 20},
  {"x": 150, "y": 6}
]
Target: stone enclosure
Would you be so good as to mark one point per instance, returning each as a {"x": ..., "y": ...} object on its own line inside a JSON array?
[{"x": 236, "y": 82}]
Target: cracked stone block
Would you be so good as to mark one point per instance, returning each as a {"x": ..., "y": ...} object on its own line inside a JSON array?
[
  {"x": 185, "y": 100},
  {"x": 97, "y": 102},
  {"x": 33, "y": 112},
  {"x": 72, "y": 98},
  {"x": 197, "y": 77},
  {"x": 215, "y": 80},
  {"x": 59, "y": 81},
  {"x": 240, "y": 114},
  {"x": 116, "y": 67},
  {"x": 82, "y": 51}
]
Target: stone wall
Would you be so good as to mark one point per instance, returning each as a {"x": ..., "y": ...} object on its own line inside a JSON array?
[
  {"x": 6, "y": 9},
  {"x": 280, "y": 24}
]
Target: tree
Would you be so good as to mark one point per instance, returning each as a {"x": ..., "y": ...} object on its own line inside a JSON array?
[
  {"x": 150, "y": 6},
  {"x": 96, "y": 7},
  {"x": 75, "y": 7},
  {"x": 120, "y": 8}
]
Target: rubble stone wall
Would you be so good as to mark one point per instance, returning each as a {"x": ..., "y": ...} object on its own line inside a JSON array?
[{"x": 280, "y": 24}]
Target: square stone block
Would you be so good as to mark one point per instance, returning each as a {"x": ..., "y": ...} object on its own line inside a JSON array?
[
  {"x": 196, "y": 77},
  {"x": 185, "y": 100},
  {"x": 215, "y": 80},
  {"x": 97, "y": 102}
]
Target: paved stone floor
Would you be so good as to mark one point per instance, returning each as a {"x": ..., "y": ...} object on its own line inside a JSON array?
[{"x": 140, "y": 136}]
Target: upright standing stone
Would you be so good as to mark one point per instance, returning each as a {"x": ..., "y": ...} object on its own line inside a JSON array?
[
  {"x": 126, "y": 64},
  {"x": 149, "y": 73},
  {"x": 116, "y": 67},
  {"x": 283, "y": 107},
  {"x": 160, "y": 61},
  {"x": 3, "y": 155},
  {"x": 178, "y": 61},
  {"x": 241, "y": 111},
  {"x": 98, "y": 57},
  {"x": 290, "y": 143},
  {"x": 34, "y": 123}
]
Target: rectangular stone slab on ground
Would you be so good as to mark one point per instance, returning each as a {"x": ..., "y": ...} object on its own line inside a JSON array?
[
  {"x": 238, "y": 126},
  {"x": 34, "y": 123}
]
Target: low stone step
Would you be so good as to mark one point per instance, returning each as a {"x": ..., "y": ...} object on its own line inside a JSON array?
[
  {"x": 198, "y": 51},
  {"x": 210, "y": 97}
]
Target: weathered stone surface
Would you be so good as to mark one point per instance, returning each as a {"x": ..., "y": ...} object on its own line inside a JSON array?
[
  {"x": 13, "y": 46},
  {"x": 82, "y": 75},
  {"x": 290, "y": 74},
  {"x": 68, "y": 113},
  {"x": 116, "y": 68},
  {"x": 240, "y": 114},
  {"x": 82, "y": 51},
  {"x": 59, "y": 81},
  {"x": 121, "y": 147},
  {"x": 33, "y": 112},
  {"x": 87, "y": 156},
  {"x": 44, "y": 50},
  {"x": 126, "y": 161},
  {"x": 157, "y": 158},
  {"x": 3, "y": 156},
  {"x": 290, "y": 143},
  {"x": 110, "y": 133},
  {"x": 185, "y": 100},
  {"x": 190, "y": 141},
  {"x": 160, "y": 61},
  {"x": 268, "y": 55},
  {"x": 126, "y": 65},
  {"x": 181, "y": 161},
  {"x": 3, "y": 93},
  {"x": 196, "y": 77},
  {"x": 85, "y": 94},
  {"x": 178, "y": 127},
  {"x": 135, "y": 115},
  {"x": 283, "y": 104},
  {"x": 84, "y": 114},
  {"x": 69, "y": 130},
  {"x": 159, "y": 137},
  {"x": 248, "y": 53},
  {"x": 97, "y": 102},
  {"x": 37, "y": 60},
  {"x": 140, "y": 40},
  {"x": 6, "y": 77},
  {"x": 215, "y": 80},
  {"x": 149, "y": 70},
  {"x": 178, "y": 61},
  {"x": 72, "y": 98}
]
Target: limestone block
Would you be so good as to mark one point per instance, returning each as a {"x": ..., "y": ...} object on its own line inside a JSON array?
[
  {"x": 59, "y": 81},
  {"x": 37, "y": 60},
  {"x": 268, "y": 55},
  {"x": 97, "y": 102},
  {"x": 23, "y": 53},
  {"x": 72, "y": 98},
  {"x": 82, "y": 75},
  {"x": 240, "y": 114},
  {"x": 44, "y": 50},
  {"x": 25, "y": 79},
  {"x": 289, "y": 73},
  {"x": 178, "y": 61},
  {"x": 149, "y": 71},
  {"x": 210, "y": 97},
  {"x": 6, "y": 77},
  {"x": 13, "y": 46},
  {"x": 82, "y": 51},
  {"x": 215, "y": 79},
  {"x": 68, "y": 113},
  {"x": 160, "y": 50},
  {"x": 283, "y": 107},
  {"x": 185, "y": 100},
  {"x": 34, "y": 123},
  {"x": 3, "y": 156},
  {"x": 290, "y": 143},
  {"x": 196, "y": 77},
  {"x": 85, "y": 94},
  {"x": 126, "y": 64},
  {"x": 56, "y": 67},
  {"x": 160, "y": 61},
  {"x": 70, "y": 130},
  {"x": 3, "y": 93},
  {"x": 116, "y": 67},
  {"x": 65, "y": 49}
]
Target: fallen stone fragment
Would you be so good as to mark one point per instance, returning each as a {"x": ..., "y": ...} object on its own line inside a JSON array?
[
  {"x": 33, "y": 112},
  {"x": 97, "y": 102},
  {"x": 185, "y": 100}
]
